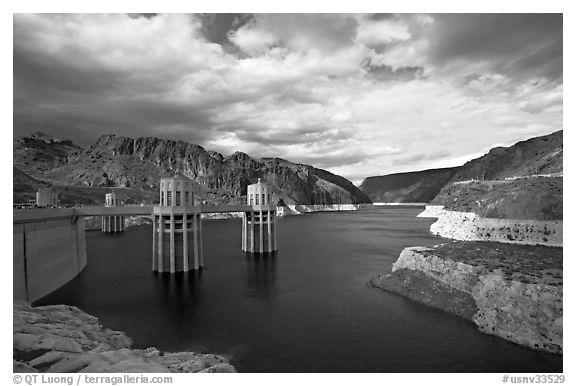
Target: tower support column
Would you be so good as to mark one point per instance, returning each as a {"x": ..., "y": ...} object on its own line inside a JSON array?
[
  {"x": 161, "y": 244},
  {"x": 154, "y": 245},
  {"x": 185, "y": 241},
  {"x": 172, "y": 251},
  {"x": 195, "y": 233},
  {"x": 269, "y": 223}
]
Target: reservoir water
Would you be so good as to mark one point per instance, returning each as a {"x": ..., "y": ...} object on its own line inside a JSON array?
[{"x": 305, "y": 309}]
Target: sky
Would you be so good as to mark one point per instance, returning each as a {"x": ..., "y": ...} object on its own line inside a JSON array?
[{"x": 357, "y": 94}]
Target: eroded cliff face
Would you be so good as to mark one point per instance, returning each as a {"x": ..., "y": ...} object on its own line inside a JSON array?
[
  {"x": 471, "y": 227},
  {"x": 525, "y": 309},
  {"x": 139, "y": 163},
  {"x": 529, "y": 314}
]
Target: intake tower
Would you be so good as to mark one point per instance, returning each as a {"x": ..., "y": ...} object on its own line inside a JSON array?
[
  {"x": 112, "y": 223},
  {"x": 176, "y": 227},
  {"x": 259, "y": 224}
]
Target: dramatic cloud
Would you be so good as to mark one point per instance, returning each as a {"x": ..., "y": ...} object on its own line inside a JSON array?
[{"x": 359, "y": 95}]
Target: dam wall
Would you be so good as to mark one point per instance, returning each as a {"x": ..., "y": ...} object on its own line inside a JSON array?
[{"x": 47, "y": 253}]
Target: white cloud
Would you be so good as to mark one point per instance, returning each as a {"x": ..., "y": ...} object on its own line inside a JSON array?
[
  {"x": 252, "y": 40},
  {"x": 380, "y": 32},
  {"x": 300, "y": 90}
]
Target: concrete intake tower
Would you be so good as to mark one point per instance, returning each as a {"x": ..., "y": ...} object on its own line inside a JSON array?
[
  {"x": 176, "y": 227},
  {"x": 259, "y": 224},
  {"x": 112, "y": 223}
]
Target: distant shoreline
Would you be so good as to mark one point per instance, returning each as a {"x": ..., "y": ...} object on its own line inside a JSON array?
[{"x": 399, "y": 203}]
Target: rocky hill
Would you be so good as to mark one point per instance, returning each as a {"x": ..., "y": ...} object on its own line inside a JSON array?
[
  {"x": 534, "y": 198},
  {"x": 24, "y": 186},
  {"x": 421, "y": 186},
  {"x": 535, "y": 156},
  {"x": 138, "y": 164},
  {"x": 521, "y": 182},
  {"x": 39, "y": 152}
]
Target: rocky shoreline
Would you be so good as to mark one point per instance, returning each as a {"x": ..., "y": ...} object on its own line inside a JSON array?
[
  {"x": 94, "y": 223},
  {"x": 289, "y": 210},
  {"x": 62, "y": 338},
  {"x": 506, "y": 291},
  {"x": 471, "y": 227}
]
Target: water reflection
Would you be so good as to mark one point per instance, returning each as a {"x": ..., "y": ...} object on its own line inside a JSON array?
[
  {"x": 261, "y": 275},
  {"x": 181, "y": 295}
]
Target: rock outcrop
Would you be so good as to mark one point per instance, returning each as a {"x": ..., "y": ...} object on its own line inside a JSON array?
[
  {"x": 39, "y": 152},
  {"x": 512, "y": 293},
  {"x": 65, "y": 339},
  {"x": 534, "y": 156},
  {"x": 528, "y": 198},
  {"x": 139, "y": 163},
  {"x": 471, "y": 227}
]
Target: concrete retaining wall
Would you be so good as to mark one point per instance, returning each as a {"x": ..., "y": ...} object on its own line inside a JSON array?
[{"x": 46, "y": 255}]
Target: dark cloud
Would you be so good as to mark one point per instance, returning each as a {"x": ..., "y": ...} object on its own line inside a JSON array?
[
  {"x": 415, "y": 159},
  {"x": 217, "y": 26},
  {"x": 278, "y": 136},
  {"x": 146, "y": 15},
  {"x": 518, "y": 45},
  {"x": 327, "y": 161},
  {"x": 47, "y": 76},
  {"x": 322, "y": 32},
  {"x": 383, "y": 16},
  {"x": 79, "y": 100},
  {"x": 84, "y": 122},
  {"x": 385, "y": 73}
]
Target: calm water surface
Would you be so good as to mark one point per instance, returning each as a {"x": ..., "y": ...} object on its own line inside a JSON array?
[{"x": 306, "y": 309}]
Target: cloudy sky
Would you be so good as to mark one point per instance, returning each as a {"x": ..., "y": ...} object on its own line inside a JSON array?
[{"x": 359, "y": 95}]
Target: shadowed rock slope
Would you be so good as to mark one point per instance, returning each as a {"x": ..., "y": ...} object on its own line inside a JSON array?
[
  {"x": 421, "y": 186},
  {"x": 24, "y": 186}
]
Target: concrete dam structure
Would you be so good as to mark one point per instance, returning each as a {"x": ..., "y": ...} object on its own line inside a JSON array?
[
  {"x": 50, "y": 243},
  {"x": 49, "y": 249}
]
